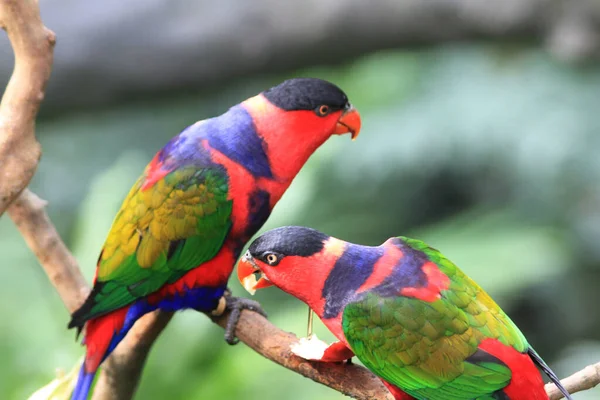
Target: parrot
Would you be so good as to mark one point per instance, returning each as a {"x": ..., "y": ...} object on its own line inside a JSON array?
[
  {"x": 410, "y": 315},
  {"x": 179, "y": 232}
]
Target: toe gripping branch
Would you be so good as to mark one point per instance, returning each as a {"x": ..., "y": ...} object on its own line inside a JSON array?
[{"x": 235, "y": 305}]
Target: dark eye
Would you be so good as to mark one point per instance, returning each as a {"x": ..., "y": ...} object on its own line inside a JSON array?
[
  {"x": 322, "y": 110},
  {"x": 272, "y": 259}
]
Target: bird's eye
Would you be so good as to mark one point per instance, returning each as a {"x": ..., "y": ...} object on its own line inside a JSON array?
[
  {"x": 322, "y": 110},
  {"x": 272, "y": 259}
]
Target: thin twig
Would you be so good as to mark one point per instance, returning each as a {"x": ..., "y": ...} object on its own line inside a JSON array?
[
  {"x": 32, "y": 45},
  {"x": 586, "y": 379},
  {"x": 27, "y": 212}
]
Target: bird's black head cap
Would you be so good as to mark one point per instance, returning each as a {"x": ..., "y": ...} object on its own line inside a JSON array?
[
  {"x": 307, "y": 94},
  {"x": 289, "y": 241}
]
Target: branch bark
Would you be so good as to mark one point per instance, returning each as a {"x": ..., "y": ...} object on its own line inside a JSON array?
[
  {"x": 586, "y": 379},
  {"x": 32, "y": 45},
  {"x": 28, "y": 214},
  {"x": 271, "y": 342}
]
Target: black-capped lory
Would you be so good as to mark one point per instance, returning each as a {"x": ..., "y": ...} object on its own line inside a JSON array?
[
  {"x": 407, "y": 312},
  {"x": 181, "y": 228}
]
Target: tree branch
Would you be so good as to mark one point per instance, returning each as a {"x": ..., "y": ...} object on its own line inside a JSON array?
[
  {"x": 32, "y": 45},
  {"x": 27, "y": 212},
  {"x": 586, "y": 379},
  {"x": 271, "y": 342}
]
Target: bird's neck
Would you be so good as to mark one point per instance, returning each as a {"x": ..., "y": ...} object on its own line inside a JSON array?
[
  {"x": 327, "y": 281},
  {"x": 262, "y": 148},
  {"x": 346, "y": 271},
  {"x": 289, "y": 138}
]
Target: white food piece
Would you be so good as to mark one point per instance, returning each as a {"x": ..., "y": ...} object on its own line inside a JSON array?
[
  {"x": 249, "y": 283},
  {"x": 311, "y": 348}
]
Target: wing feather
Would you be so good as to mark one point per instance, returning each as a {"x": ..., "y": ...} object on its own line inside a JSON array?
[
  {"x": 160, "y": 232},
  {"x": 425, "y": 347}
]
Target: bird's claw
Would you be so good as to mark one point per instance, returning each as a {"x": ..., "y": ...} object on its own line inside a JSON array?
[{"x": 235, "y": 305}]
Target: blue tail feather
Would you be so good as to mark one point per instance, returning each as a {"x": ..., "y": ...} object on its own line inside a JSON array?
[{"x": 84, "y": 384}]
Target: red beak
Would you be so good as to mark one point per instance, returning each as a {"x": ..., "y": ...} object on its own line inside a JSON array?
[
  {"x": 247, "y": 270},
  {"x": 349, "y": 122}
]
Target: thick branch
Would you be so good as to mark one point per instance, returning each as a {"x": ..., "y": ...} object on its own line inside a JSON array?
[
  {"x": 32, "y": 44},
  {"x": 271, "y": 342},
  {"x": 585, "y": 379}
]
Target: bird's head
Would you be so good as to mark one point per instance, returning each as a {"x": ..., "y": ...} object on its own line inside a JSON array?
[
  {"x": 295, "y": 259},
  {"x": 295, "y": 117},
  {"x": 320, "y": 105}
]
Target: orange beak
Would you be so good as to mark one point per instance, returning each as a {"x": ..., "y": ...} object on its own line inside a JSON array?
[
  {"x": 247, "y": 272},
  {"x": 349, "y": 122}
]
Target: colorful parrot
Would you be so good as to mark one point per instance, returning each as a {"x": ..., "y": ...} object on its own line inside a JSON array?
[
  {"x": 183, "y": 225},
  {"x": 406, "y": 311}
]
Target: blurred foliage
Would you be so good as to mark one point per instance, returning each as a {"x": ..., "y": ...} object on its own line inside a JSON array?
[{"x": 487, "y": 153}]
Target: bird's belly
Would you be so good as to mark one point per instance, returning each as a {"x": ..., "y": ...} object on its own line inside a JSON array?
[{"x": 203, "y": 299}]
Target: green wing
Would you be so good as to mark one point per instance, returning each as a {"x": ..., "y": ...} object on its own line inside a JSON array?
[
  {"x": 159, "y": 234},
  {"x": 430, "y": 350}
]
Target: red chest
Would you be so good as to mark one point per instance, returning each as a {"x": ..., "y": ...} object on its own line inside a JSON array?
[
  {"x": 213, "y": 273},
  {"x": 253, "y": 198}
]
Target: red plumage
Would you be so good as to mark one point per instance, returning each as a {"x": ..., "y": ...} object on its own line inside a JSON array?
[
  {"x": 396, "y": 392},
  {"x": 526, "y": 382},
  {"x": 99, "y": 332}
]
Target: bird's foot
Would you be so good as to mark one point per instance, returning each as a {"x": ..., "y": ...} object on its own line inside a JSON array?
[
  {"x": 235, "y": 305},
  {"x": 313, "y": 348}
]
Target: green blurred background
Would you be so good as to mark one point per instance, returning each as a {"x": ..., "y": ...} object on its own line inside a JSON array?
[{"x": 486, "y": 147}]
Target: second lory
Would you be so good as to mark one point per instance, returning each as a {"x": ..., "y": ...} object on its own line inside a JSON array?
[
  {"x": 179, "y": 232},
  {"x": 407, "y": 312}
]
